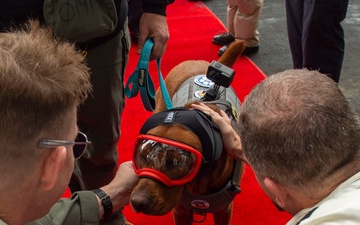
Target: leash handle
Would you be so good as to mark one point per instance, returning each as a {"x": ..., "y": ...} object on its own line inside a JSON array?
[{"x": 140, "y": 80}]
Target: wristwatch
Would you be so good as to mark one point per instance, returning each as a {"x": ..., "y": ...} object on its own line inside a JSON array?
[{"x": 105, "y": 201}]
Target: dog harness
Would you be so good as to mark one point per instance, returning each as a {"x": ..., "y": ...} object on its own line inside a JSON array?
[
  {"x": 203, "y": 204},
  {"x": 194, "y": 89}
]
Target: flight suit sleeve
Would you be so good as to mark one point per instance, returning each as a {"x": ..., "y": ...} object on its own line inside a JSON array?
[{"x": 81, "y": 208}]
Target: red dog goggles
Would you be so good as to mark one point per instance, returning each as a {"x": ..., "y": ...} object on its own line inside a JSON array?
[{"x": 170, "y": 162}]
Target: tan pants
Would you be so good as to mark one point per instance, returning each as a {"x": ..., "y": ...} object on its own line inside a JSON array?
[{"x": 243, "y": 20}]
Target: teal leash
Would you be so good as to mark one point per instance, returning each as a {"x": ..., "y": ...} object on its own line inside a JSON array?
[
  {"x": 140, "y": 80},
  {"x": 163, "y": 89}
]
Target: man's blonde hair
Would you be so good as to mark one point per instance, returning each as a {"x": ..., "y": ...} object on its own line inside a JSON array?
[{"x": 41, "y": 80}]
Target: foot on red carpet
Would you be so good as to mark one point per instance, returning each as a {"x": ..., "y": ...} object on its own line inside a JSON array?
[
  {"x": 247, "y": 51},
  {"x": 223, "y": 39}
]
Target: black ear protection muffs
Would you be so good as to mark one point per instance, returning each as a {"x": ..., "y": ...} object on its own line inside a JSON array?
[{"x": 195, "y": 121}]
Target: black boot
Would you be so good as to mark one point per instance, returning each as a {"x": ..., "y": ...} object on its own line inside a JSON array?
[
  {"x": 247, "y": 51},
  {"x": 223, "y": 39}
]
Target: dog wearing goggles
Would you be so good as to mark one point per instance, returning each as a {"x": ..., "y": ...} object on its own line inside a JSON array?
[{"x": 179, "y": 159}]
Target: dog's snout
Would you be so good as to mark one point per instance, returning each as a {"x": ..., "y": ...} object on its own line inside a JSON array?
[{"x": 140, "y": 203}]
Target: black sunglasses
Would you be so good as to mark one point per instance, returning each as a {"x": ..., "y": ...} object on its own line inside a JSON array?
[{"x": 79, "y": 144}]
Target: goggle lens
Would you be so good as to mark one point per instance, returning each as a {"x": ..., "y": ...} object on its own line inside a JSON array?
[{"x": 175, "y": 160}]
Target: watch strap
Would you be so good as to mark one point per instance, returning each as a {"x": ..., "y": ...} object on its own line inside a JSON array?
[{"x": 105, "y": 201}]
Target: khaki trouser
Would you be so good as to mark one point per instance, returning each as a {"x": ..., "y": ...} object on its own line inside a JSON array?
[{"x": 243, "y": 20}]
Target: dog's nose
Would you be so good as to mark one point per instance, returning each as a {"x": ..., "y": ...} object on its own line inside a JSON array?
[{"x": 140, "y": 203}]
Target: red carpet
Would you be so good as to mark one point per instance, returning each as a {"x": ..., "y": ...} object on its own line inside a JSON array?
[{"x": 192, "y": 26}]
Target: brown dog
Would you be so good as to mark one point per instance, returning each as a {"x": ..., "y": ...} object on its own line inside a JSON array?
[{"x": 155, "y": 197}]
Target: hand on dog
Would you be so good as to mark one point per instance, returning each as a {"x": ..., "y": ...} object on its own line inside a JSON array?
[
  {"x": 121, "y": 186},
  {"x": 231, "y": 139}
]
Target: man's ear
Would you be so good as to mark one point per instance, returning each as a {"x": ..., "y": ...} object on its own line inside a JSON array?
[
  {"x": 53, "y": 164},
  {"x": 277, "y": 190}
]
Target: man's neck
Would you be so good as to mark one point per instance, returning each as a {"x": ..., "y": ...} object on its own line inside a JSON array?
[
  {"x": 298, "y": 200},
  {"x": 14, "y": 204}
]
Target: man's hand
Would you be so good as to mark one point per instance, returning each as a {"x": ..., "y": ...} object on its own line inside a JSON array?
[
  {"x": 154, "y": 26},
  {"x": 231, "y": 139},
  {"x": 121, "y": 186}
]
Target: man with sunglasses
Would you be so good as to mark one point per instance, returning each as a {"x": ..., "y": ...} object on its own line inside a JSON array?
[
  {"x": 302, "y": 139},
  {"x": 42, "y": 83}
]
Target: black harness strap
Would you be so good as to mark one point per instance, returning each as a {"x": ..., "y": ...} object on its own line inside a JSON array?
[{"x": 202, "y": 204}]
